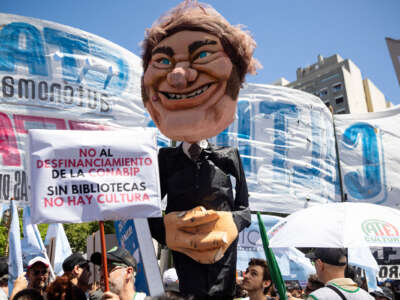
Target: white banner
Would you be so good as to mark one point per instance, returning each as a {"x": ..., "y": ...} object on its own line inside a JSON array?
[
  {"x": 286, "y": 141},
  {"x": 57, "y": 77},
  {"x": 84, "y": 176},
  {"x": 369, "y": 156}
]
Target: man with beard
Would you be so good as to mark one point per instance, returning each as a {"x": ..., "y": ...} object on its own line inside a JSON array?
[
  {"x": 194, "y": 63},
  {"x": 121, "y": 266},
  {"x": 257, "y": 280},
  {"x": 36, "y": 276}
]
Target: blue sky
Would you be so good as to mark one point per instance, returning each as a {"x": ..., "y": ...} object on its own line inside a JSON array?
[{"x": 289, "y": 33}]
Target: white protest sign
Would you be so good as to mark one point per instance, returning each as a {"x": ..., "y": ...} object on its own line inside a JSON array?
[
  {"x": 389, "y": 272},
  {"x": 81, "y": 176}
]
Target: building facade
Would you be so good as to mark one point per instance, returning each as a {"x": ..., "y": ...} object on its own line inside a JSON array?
[{"x": 339, "y": 84}]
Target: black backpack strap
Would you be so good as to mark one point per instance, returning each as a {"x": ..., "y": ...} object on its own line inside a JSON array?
[{"x": 337, "y": 291}]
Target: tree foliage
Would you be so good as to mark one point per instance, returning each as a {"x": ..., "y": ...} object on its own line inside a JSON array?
[{"x": 76, "y": 233}]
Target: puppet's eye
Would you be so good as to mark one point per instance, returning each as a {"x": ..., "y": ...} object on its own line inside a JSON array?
[
  {"x": 165, "y": 61},
  {"x": 204, "y": 54}
]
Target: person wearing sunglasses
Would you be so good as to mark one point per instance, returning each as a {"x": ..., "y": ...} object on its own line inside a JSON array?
[
  {"x": 36, "y": 277},
  {"x": 37, "y": 274},
  {"x": 121, "y": 268}
]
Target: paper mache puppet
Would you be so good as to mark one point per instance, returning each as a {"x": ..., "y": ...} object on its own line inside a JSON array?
[{"x": 194, "y": 64}]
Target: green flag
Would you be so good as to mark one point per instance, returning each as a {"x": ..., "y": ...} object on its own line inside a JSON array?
[{"x": 272, "y": 264}]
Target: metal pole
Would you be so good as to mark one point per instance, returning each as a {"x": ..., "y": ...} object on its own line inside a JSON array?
[{"x": 343, "y": 196}]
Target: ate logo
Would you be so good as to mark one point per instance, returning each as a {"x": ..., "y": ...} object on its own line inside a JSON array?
[{"x": 379, "y": 228}]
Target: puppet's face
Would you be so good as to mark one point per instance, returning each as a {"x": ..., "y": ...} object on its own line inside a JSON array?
[{"x": 185, "y": 84}]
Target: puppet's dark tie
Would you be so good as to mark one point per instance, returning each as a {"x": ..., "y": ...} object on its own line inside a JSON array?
[{"x": 194, "y": 151}]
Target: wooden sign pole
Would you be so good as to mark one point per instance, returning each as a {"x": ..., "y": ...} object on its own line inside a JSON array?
[{"x": 104, "y": 255}]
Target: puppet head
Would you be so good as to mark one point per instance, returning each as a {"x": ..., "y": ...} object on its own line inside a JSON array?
[{"x": 194, "y": 64}]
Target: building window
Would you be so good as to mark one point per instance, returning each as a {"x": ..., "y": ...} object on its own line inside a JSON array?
[
  {"x": 330, "y": 77},
  {"x": 339, "y": 100},
  {"x": 323, "y": 92},
  {"x": 337, "y": 87}
]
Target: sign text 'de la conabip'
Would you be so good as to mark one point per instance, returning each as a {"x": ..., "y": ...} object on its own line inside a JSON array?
[{"x": 84, "y": 176}]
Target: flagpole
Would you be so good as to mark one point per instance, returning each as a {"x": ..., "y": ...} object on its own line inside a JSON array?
[
  {"x": 104, "y": 255},
  {"x": 36, "y": 231},
  {"x": 342, "y": 194},
  {"x": 273, "y": 267}
]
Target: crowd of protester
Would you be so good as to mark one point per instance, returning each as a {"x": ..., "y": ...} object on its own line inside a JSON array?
[{"x": 255, "y": 284}]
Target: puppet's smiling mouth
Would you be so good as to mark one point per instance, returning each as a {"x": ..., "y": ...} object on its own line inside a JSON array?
[{"x": 199, "y": 91}]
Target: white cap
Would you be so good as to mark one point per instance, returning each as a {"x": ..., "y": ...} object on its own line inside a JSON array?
[{"x": 38, "y": 259}]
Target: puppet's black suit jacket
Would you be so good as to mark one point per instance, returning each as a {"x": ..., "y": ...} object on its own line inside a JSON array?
[{"x": 205, "y": 182}]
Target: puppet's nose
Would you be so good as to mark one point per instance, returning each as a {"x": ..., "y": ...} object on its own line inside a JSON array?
[{"x": 181, "y": 76}]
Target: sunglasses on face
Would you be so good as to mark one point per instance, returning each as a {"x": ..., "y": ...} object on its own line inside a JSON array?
[
  {"x": 111, "y": 268},
  {"x": 39, "y": 272}
]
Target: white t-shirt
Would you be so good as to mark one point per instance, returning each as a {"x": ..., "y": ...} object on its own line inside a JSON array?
[
  {"x": 139, "y": 296},
  {"x": 3, "y": 295},
  {"x": 348, "y": 288}
]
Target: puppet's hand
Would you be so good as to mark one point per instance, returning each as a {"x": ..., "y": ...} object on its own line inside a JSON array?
[{"x": 202, "y": 234}]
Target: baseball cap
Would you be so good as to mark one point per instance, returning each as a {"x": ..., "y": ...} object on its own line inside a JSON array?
[
  {"x": 385, "y": 292},
  {"x": 117, "y": 256},
  {"x": 331, "y": 256},
  {"x": 38, "y": 260},
  {"x": 74, "y": 259}
]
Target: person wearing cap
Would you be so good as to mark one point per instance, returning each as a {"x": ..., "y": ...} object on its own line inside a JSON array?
[
  {"x": 384, "y": 293},
  {"x": 76, "y": 267},
  {"x": 36, "y": 277},
  {"x": 3, "y": 278},
  {"x": 330, "y": 265},
  {"x": 121, "y": 266}
]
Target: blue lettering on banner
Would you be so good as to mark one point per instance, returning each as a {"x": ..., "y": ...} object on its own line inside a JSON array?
[
  {"x": 68, "y": 44},
  {"x": 223, "y": 138},
  {"x": 283, "y": 115},
  {"x": 315, "y": 149},
  {"x": 244, "y": 132},
  {"x": 32, "y": 56},
  {"x": 82, "y": 60},
  {"x": 369, "y": 184},
  {"x": 120, "y": 81},
  {"x": 280, "y": 111}
]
